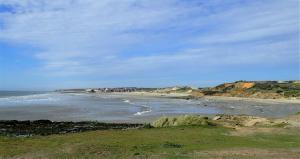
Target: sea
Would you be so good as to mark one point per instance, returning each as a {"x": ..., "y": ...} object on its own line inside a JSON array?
[{"x": 57, "y": 106}]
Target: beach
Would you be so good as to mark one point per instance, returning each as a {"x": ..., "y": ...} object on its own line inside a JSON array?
[
  {"x": 146, "y": 125},
  {"x": 135, "y": 107}
]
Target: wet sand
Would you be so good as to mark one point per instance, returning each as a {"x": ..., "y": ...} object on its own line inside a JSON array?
[
  {"x": 292, "y": 101},
  {"x": 224, "y": 98},
  {"x": 137, "y": 107}
]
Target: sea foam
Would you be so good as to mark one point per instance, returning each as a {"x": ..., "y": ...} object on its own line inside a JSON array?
[
  {"x": 28, "y": 98},
  {"x": 147, "y": 110}
]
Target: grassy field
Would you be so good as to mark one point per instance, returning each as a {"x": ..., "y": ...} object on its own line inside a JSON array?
[{"x": 171, "y": 142}]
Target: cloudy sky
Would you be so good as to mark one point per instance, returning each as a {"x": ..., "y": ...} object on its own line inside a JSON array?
[{"x": 50, "y": 44}]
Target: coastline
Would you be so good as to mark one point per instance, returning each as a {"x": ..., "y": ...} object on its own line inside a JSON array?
[
  {"x": 26, "y": 128},
  {"x": 294, "y": 101},
  {"x": 224, "y": 98},
  {"x": 232, "y": 134},
  {"x": 151, "y": 94},
  {"x": 139, "y": 106}
]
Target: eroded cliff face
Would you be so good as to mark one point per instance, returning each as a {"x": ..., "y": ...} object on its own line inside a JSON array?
[{"x": 254, "y": 89}]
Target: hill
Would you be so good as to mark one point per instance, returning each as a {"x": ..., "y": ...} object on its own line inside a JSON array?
[{"x": 253, "y": 89}]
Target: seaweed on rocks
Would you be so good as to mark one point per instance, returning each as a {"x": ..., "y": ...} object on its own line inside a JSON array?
[{"x": 47, "y": 127}]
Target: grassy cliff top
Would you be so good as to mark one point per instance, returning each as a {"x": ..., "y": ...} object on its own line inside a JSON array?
[
  {"x": 256, "y": 89},
  {"x": 189, "y": 136}
]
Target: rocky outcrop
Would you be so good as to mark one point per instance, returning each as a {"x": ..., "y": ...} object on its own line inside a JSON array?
[
  {"x": 47, "y": 127},
  {"x": 231, "y": 121}
]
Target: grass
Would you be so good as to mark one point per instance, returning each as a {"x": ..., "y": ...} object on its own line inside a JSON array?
[
  {"x": 260, "y": 90},
  {"x": 292, "y": 93},
  {"x": 287, "y": 89},
  {"x": 170, "y": 142},
  {"x": 184, "y": 120}
]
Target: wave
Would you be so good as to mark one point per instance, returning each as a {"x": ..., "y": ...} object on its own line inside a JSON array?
[
  {"x": 144, "y": 108},
  {"x": 78, "y": 94},
  {"x": 142, "y": 112},
  {"x": 147, "y": 110},
  {"x": 126, "y": 101},
  {"x": 29, "y": 98}
]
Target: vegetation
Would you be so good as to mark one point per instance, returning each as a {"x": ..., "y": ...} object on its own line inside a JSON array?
[
  {"x": 171, "y": 142},
  {"x": 262, "y": 89},
  {"x": 186, "y": 120},
  {"x": 47, "y": 127},
  {"x": 189, "y": 136},
  {"x": 292, "y": 93},
  {"x": 183, "y": 89}
]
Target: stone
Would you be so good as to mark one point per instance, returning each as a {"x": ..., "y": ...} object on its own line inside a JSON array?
[{"x": 216, "y": 118}]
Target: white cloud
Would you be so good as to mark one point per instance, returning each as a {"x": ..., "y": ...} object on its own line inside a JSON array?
[
  {"x": 255, "y": 22},
  {"x": 90, "y": 36}
]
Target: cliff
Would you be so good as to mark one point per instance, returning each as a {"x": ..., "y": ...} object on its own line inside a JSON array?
[{"x": 254, "y": 89}]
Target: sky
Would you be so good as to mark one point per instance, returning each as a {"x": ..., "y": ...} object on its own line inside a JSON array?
[{"x": 53, "y": 44}]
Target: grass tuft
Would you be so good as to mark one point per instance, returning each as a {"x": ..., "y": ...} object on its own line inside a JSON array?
[
  {"x": 171, "y": 145},
  {"x": 186, "y": 120}
]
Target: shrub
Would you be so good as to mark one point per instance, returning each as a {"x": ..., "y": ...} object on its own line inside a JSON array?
[
  {"x": 185, "y": 120},
  {"x": 147, "y": 126},
  {"x": 292, "y": 93}
]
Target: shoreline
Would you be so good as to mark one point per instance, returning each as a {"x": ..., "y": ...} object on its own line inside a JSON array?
[
  {"x": 188, "y": 96},
  {"x": 44, "y": 127},
  {"x": 146, "y": 107},
  {"x": 292, "y": 101}
]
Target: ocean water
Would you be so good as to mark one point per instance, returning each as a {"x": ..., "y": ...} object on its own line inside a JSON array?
[
  {"x": 122, "y": 108},
  {"x": 4, "y": 94}
]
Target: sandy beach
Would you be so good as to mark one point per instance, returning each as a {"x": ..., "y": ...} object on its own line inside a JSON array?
[
  {"x": 224, "y": 98},
  {"x": 295, "y": 101},
  {"x": 134, "y": 107}
]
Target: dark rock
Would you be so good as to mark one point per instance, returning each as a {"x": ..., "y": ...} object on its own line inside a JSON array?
[{"x": 47, "y": 127}]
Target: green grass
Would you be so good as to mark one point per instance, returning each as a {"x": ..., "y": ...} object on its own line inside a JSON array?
[
  {"x": 287, "y": 89},
  {"x": 171, "y": 142},
  {"x": 184, "y": 120},
  {"x": 292, "y": 93}
]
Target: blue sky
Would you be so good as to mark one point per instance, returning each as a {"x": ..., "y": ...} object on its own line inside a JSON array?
[{"x": 51, "y": 44}]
